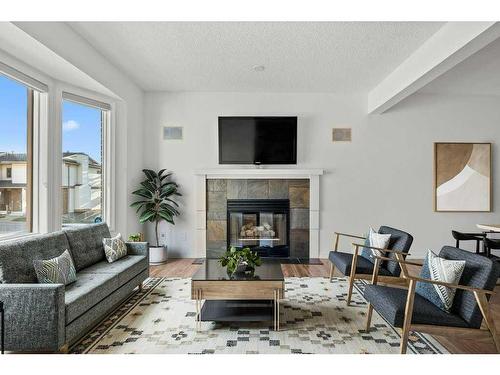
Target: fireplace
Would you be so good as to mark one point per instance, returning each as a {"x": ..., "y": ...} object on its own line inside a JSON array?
[{"x": 260, "y": 224}]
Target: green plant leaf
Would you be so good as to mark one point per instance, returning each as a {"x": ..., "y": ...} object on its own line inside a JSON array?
[
  {"x": 147, "y": 215},
  {"x": 151, "y": 175}
]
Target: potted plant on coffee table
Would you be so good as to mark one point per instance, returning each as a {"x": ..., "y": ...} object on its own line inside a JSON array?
[
  {"x": 156, "y": 203},
  {"x": 240, "y": 261}
]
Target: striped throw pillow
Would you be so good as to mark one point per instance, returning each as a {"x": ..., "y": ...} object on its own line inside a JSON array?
[
  {"x": 114, "y": 248},
  {"x": 377, "y": 240},
  {"x": 58, "y": 270}
]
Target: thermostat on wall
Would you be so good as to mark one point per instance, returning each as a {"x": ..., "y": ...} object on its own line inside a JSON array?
[{"x": 172, "y": 132}]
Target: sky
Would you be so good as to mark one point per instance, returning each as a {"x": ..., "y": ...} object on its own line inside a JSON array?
[{"x": 81, "y": 124}]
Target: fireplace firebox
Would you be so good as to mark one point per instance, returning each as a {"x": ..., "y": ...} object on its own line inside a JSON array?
[{"x": 260, "y": 224}]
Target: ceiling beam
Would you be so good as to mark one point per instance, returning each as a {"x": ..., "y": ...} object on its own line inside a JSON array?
[{"x": 449, "y": 46}]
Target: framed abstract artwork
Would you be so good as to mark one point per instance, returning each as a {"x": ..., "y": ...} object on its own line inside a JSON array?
[{"x": 462, "y": 177}]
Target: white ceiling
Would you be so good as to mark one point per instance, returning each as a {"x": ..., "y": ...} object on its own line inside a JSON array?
[
  {"x": 341, "y": 57},
  {"x": 477, "y": 75},
  {"x": 24, "y": 48}
]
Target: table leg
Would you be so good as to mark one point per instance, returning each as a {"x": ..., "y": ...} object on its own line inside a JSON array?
[
  {"x": 278, "y": 309},
  {"x": 274, "y": 309},
  {"x": 3, "y": 330},
  {"x": 198, "y": 318}
]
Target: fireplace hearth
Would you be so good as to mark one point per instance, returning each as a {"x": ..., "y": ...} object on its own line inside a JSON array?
[{"x": 260, "y": 224}]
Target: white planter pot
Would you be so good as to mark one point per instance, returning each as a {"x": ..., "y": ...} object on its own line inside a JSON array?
[{"x": 157, "y": 255}]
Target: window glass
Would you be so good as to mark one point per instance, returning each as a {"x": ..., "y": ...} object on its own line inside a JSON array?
[
  {"x": 15, "y": 187},
  {"x": 81, "y": 164}
]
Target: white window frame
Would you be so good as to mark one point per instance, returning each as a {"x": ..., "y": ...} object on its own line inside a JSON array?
[
  {"x": 40, "y": 119},
  {"x": 108, "y": 120}
]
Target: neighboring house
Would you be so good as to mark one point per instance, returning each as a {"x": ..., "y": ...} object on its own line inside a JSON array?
[
  {"x": 13, "y": 183},
  {"x": 81, "y": 183}
]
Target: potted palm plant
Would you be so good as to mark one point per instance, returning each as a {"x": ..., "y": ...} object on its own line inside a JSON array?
[{"x": 156, "y": 203}]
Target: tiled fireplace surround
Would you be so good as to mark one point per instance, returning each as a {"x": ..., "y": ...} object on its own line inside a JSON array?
[{"x": 215, "y": 187}]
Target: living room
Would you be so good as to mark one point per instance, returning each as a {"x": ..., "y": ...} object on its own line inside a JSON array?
[{"x": 249, "y": 186}]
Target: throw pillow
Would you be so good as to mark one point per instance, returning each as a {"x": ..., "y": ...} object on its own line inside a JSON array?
[
  {"x": 58, "y": 270},
  {"x": 114, "y": 248},
  {"x": 440, "y": 269},
  {"x": 377, "y": 240}
]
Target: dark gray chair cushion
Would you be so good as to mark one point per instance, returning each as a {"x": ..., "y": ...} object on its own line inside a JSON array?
[
  {"x": 17, "y": 256},
  {"x": 88, "y": 290},
  {"x": 400, "y": 241},
  {"x": 479, "y": 272},
  {"x": 343, "y": 262},
  {"x": 86, "y": 244},
  {"x": 390, "y": 302},
  {"x": 126, "y": 268}
]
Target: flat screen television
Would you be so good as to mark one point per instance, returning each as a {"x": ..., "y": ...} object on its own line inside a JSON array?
[{"x": 257, "y": 140}]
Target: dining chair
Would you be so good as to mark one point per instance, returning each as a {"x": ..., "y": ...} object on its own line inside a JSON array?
[
  {"x": 491, "y": 244},
  {"x": 460, "y": 236}
]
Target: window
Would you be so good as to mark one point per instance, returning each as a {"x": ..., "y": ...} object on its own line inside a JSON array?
[
  {"x": 84, "y": 125},
  {"x": 16, "y": 133}
]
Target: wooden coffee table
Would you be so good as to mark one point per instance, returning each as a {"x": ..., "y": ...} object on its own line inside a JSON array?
[{"x": 239, "y": 298}]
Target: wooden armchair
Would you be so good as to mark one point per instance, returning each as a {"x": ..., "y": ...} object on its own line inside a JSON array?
[
  {"x": 405, "y": 309},
  {"x": 357, "y": 267}
]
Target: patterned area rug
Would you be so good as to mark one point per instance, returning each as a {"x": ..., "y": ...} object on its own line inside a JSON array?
[{"x": 314, "y": 316}]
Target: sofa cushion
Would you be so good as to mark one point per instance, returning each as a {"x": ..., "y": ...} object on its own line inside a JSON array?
[
  {"x": 88, "y": 290},
  {"x": 343, "y": 262},
  {"x": 390, "y": 302},
  {"x": 17, "y": 256},
  {"x": 126, "y": 268},
  {"x": 86, "y": 244}
]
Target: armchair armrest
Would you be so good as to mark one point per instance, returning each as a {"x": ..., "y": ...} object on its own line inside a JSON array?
[
  {"x": 137, "y": 248},
  {"x": 398, "y": 261},
  {"x": 380, "y": 249},
  {"x": 339, "y": 234},
  {"x": 449, "y": 285},
  {"x": 350, "y": 235},
  {"x": 453, "y": 286},
  {"x": 34, "y": 316}
]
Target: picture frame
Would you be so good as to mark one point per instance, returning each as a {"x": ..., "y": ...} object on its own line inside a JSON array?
[{"x": 462, "y": 177}]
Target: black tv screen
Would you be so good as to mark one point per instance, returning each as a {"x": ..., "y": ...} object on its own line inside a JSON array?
[{"x": 257, "y": 140}]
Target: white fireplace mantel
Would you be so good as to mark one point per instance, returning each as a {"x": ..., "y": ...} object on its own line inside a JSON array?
[
  {"x": 203, "y": 175},
  {"x": 258, "y": 173}
]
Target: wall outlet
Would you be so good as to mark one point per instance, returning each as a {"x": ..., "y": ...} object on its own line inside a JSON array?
[{"x": 183, "y": 236}]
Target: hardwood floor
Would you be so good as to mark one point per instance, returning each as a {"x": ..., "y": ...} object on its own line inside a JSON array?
[{"x": 186, "y": 268}]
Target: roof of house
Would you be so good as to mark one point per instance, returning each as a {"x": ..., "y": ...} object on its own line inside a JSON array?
[
  {"x": 7, "y": 157},
  {"x": 92, "y": 161},
  {"x": 9, "y": 184},
  {"x": 12, "y": 157}
]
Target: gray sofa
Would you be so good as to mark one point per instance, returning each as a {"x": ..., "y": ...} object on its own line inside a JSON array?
[{"x": 50, "y": 317}]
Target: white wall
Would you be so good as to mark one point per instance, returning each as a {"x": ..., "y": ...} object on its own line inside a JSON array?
[
  {"x": 385, "y": 176},
  {"x": 19, "y": 173}
]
